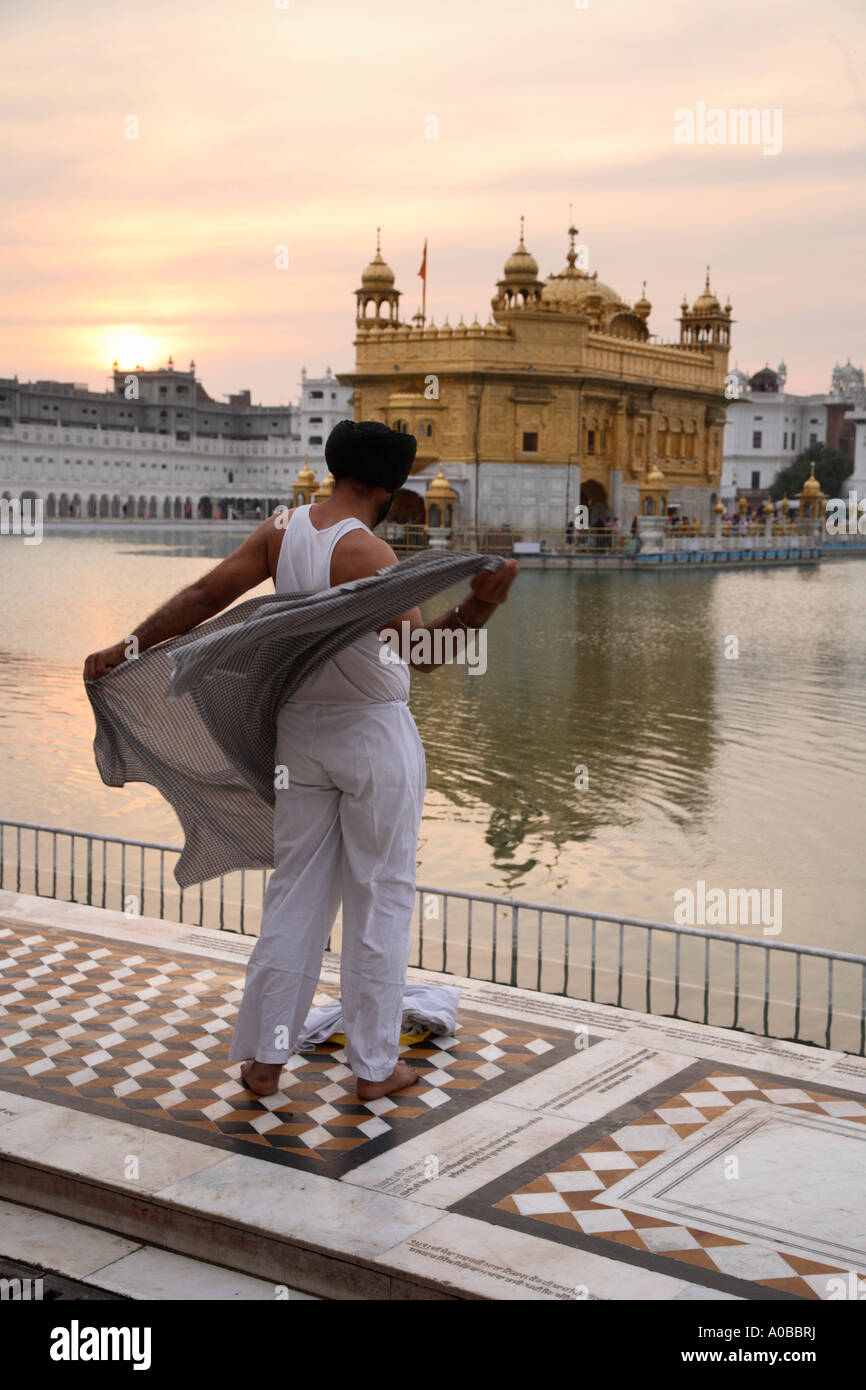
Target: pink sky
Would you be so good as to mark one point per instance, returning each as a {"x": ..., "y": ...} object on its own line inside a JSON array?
[{"x": 305, "y": 126}]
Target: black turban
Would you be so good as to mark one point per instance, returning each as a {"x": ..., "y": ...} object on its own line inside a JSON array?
[{"x": 371, "y": 452}]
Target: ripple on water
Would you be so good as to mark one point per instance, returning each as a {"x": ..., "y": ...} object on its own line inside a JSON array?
[{"x": 698, "y": 766}]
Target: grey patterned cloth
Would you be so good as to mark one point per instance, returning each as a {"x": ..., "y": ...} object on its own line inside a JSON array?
[{"x": 196, "y": 716}]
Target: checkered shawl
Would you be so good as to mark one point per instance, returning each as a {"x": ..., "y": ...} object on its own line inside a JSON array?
[{"x": 196, "y": 716}]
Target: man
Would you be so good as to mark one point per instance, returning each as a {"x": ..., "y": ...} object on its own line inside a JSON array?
[{"x": 350, "y": 772}]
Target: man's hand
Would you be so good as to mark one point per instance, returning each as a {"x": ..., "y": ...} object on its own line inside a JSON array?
[
  {"x": 98, "y": 663},
  {"x": 246, "y": 567},
  {"x": 489, "y": 589},
  {"x": 491, "y": 586}
]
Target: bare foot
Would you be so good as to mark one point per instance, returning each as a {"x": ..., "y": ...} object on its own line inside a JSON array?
[
  {"x": 403, "y": 1075},
  {"x": 261, "y": 1077}
]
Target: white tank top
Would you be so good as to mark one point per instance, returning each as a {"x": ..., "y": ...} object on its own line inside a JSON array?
[{"x": 356, "y": 675}]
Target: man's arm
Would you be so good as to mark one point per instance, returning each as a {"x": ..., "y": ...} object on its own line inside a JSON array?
[
  {"x": 242, "y": 570},
  {"x": 359, "y": 555}
]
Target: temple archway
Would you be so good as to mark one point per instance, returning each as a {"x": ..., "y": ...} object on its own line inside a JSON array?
[
  {"x": 594, "y": 498},
  {"x": 407, "y": 508}
]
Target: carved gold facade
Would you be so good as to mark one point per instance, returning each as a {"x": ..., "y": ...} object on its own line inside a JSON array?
[{"x": 563, "y": 397}]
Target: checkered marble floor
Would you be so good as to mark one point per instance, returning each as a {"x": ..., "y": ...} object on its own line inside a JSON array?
[
  {"x": 566, "y": 1195},
  {"x": 550, "y": 1146},
  {"x": 115, "y": 1029}
]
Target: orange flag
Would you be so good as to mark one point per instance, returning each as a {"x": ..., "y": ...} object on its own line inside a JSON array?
[{"x": 423, "y": 273}]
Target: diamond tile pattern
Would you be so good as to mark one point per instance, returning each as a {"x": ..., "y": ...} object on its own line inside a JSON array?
[
  {"x": 130, "y": 1031},
  {"x": 565, "y": 1196}
]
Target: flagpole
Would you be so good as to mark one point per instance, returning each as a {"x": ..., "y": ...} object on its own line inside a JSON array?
[{"x": 423, "y": 274}]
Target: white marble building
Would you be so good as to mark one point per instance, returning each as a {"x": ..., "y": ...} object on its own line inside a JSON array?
[
  {"x": 324, "y": 403},
  {"x": 167, "y": 452},
  {"x": 767, "y": 428},
  {"x": 857, "y": 482}
]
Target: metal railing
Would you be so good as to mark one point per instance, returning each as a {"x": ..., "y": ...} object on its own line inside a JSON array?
[
  {"x": 404, "y": 538},
  {"x": 552, "y": 540},
  {"x": 601, "y": 542},
  {"x": 500, "y": 540},
  {"x": 768, "y": 988}
]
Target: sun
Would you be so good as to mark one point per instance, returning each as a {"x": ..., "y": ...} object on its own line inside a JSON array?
[{"x": 131, "y": 347}]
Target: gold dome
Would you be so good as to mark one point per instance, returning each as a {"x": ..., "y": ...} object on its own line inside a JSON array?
[
  {"x": 521, "y": 264},
  {"x": 306, "y": 477},
  {"x": 706, "y": 301},
  {"x": 812, "y": 487},
  {"x": 326, "y": 488},
  {"x": 719, "y": 507},
  {"x": 440, "y": 488},
  {"x": 378, "y": 274},
  {"x": 572, "y": 287},
  {"x": 655, "y": 477},
  {"x": 642, "y": 306}
]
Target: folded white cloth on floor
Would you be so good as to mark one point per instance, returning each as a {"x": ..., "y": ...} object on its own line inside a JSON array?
[{"x": 426, "y": 1008}]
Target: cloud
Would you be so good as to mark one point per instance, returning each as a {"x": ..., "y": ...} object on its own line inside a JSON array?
[{"x": 305, "y": 127}]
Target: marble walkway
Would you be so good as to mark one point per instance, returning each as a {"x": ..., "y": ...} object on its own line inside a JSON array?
[{"x": 552, "y": 1149}]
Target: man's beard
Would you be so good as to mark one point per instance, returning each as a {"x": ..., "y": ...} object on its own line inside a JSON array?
[{"x": 384, "y": 510}]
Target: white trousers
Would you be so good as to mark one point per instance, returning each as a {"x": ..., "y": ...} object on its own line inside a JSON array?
[{"x": 345, "y": 828}]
